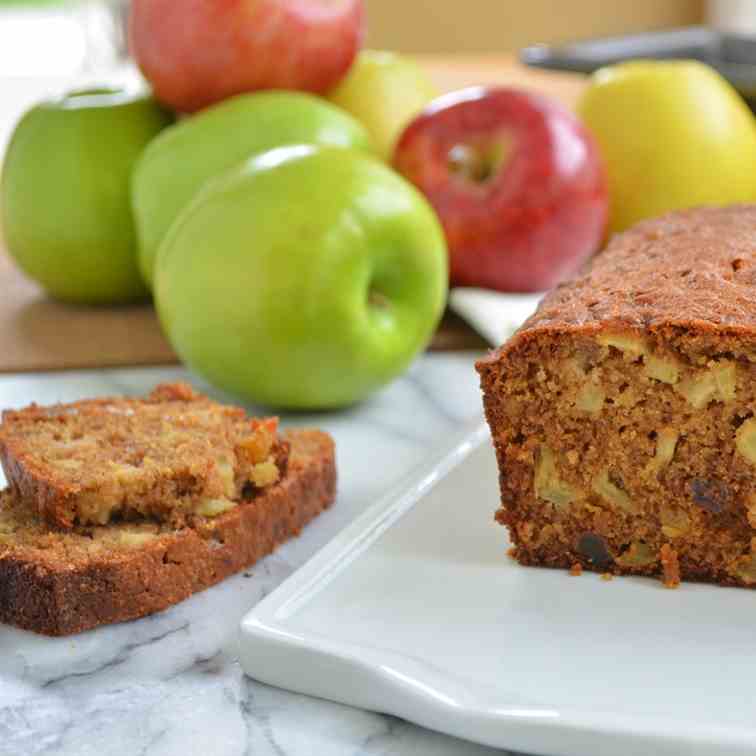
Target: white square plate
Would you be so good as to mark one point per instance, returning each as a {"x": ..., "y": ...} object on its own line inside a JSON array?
[{"x": 415, "y": 610}]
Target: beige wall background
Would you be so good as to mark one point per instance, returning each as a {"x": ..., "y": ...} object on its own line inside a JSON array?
[{"x": 469, "y": 26}]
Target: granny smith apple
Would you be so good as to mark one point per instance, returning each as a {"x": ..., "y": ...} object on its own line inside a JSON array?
[
  {"x": 176, "y": 164},
  {"x": 65, "y": 196},
  {"x": 305, "y": 278},
  {"x": 673, "y": 134},
  {"x": 384, "y": 90}
]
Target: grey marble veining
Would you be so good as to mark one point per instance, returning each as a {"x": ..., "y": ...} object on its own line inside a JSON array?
[{"x": 169, "y": 685}]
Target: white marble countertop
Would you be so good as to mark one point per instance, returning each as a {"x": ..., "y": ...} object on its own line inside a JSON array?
[{"x": 169, "y": 685}]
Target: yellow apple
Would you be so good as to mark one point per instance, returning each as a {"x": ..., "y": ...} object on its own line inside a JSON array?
[
  {"x": 673, "y": 134},
  {"x": 384, "y": 91}
]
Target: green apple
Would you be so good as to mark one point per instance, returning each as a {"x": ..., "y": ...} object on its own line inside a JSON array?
[
  {"x": 305, "y": 278},
  {"x": 674, "y": 134},
  {"x": 65, "y": 197},
  {"x": 385, "y": 91},
  {"x": 176, "y": 165}
]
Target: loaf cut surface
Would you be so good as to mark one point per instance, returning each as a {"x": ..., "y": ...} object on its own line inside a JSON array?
[
  {"x": 63, "y": 582},
  {"x": 169, "y": 456},
  {"x": 623, "y": 412}
]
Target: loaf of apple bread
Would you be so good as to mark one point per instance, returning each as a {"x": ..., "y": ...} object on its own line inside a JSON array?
[{"x": 623, "y": 412}]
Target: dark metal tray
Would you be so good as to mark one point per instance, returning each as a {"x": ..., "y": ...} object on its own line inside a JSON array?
[{"x": 732, "y": 55}]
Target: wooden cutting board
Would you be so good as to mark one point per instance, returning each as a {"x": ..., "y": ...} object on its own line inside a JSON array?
[{"x": 39, "y": 334}]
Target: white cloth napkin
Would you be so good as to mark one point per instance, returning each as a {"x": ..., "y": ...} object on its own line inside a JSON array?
[{"x": 493, "y": 315}]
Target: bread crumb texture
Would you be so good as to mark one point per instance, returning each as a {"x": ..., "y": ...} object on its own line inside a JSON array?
[
  {"x": 63, "y": 581},
  {"x": 168, "y": 457},
  {"x": 624, "y": 410}
]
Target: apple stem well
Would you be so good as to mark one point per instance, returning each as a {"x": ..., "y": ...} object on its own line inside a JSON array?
[
  {"x": 479, "y": 163},
  {"x": 378, "y": 300}
]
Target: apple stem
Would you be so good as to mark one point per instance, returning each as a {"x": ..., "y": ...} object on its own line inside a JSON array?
[
  {"x": 376, "y": 299},
  {"x": 478, "y": 164},
  {"x": 466, "y": 162}
]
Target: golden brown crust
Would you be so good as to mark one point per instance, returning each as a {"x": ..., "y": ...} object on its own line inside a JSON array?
[
  {"x": 622, "y": 412},
  {"x": 67, "y": 582},
  {"x": 673, "y": 271},
  {"x": 164, "y": 456}
]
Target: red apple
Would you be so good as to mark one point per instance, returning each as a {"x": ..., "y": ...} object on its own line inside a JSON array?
[
  {"x": 517, "y": 182},
  {"x": 197, "y": 52}
]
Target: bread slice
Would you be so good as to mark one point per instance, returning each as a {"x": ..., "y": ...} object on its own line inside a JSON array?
[
  {"x": 63, "y": 582},
  {"x": 168, "y": 456},
  {"x": 624, "y": 410}
]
